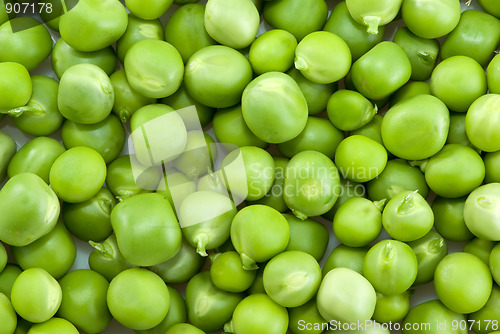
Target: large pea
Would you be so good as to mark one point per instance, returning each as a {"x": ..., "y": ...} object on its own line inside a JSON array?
[
  {"x": 343, "y": 256},
  {"x": 7, "y": 315},
  {"x": 16, "y": 86},
  {"x": 481, "y": 211},
  {"x": 491, "y": 163},
  {"x": 433, "y": 312},
  {"x": 493, "y": 75},
  {"x": 481, "y": 122},
  {"x": 272, "y": 51},
  {"x": 149, "y": 9},
  {"x": 491, "y": 310},
  {"x": 348, "y": 110}
]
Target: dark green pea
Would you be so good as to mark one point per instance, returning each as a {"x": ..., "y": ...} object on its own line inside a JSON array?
[
  {"x": 137, "y": 30},
  {"x": 316, "y": 95},
  {"x": 8, "y": 149},
  {"x": 64, "y": 56},
  {"x": 349, "y": 110},
  {"x": 306, "y": 316},
  {"x": 344, "y": 256},
  {"x": 493, "y": 75},
  {"x": 181, "y": 267},
  {"x": 392, "y": 308},
  {"x": 421, "y": 52},
  {"x": 26, "y": 41},
  {"x": 106, "y": 137},
  {"x": 227, "y": 273},
  {"x": 492, "y": 165},
  {"x": 184, "y": 328},
  {"x": 319, "y": 134},
  {"x": 106, "y": 258},
  {"x": 296, "y": 16},
  {"x": 477, "y": 35},
  {"x": 185, "y": 30},
  {"x": 40, "y": 116},
  {"x": 208, "y": 307},
  {"x": 198, "y": 155},
  {"x": 357, "y": 38},
  {"x": 410, "y": 89},
  {"x": 430, "y": 250},
  {"x": 3, "y": 257},
  {"x": 487, "y": 314},
  {"x": 89, "y": 220},
  {"x": 480, "y": 248},
  {"x": 23, "y": 326},
  {"x": 51, "y": 17},
  {"x": 308, "y": 236},
  {"x": 7, "y": 277},
  {"x": 449, "y": 218},
  {"x": 16, "y": 87},
  {"x": 397, "y": 176},
  {"x": 440, "y": 319},
  {"x": 346, "y": 190},
  {"x": 7, "y": 315},
  {"x": 258, "y": 283},
  {"x": 371, "y": 130}
]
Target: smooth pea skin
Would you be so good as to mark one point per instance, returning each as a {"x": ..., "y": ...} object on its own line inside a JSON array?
[
  {"x": 449, "y": 218},
  {"x": 491, "y": 164},
  {"x": 149, "y": 9},
  {"x": 457, "y": 133},
  {"x": 36, "y": 295},
  {"x": 410, "y": 89},
  {"x": 227, "y": 273},
  {"x": 146, "y": 229},
  {"x": 373, "y": 14},
  {"x": 274, "y": 50},
  {"x": 381, "y": 71},
  {"x": 84, "y": 300},
  {"x": 16, "y": 86},
  {"x": 184, "y": 328},
  {"x": 349, "y": 110},
  {"x": 430, "y": 250},
  {"x": 458, "y": 90},
  {"x": 345, "y": 295},
  {"x": 489, "y": 7},
  {"x": 274, "y": 107},
  {"x": 149, "y": 293},
  {"x": 20, "y": 225},
  {"x": 459, "y": 294},
  {"x": 494, "y": 263},
  {"x": 311, "y": 184},
  {"x": 154, "y": 68},
  {"x": 8, "y": 276},
  {"x": 488, "y": 312},
  {"x": 53, "y": 326},
  {"x": 104, "y": 22},
  {"x": 493, "y": 75},
  {"x": 433, "y": 312},
  {"x": 323, "y": 57},
  {"x": 481, "y": 248},
  {"x": 308, "y": 236},
  {"x": 8, "y": 316},
  {"x": 305, "y": 319},
  {"x": 8, "y": 148},
  {"x": 344, "y": 256},
  {"x": 480, "y": 122},
  {"x": 258, "y": 233},
  {"x": 408, "y": 142},
  {"x": 392, "y": 308},
  {"x": 431, "y": 19},
  {"x": 481, "y": 211}
]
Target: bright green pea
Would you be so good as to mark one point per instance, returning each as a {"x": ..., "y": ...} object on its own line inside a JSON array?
[
  {"x": 296, "y": 16},
  {"x": 311, "y": 184},
  {"x": 184, "y": 328},
  {"x": 481, "y": 122},
  {"x": 319, "y": 134},
  {"x": 146, "y": 229},
  {"x": 258, "y": 314},
  {"x": 373, "y": 14},
  {"x": 26, "y": 41},
  {"x": 16, "y": 86},
  {"x": 346, "y": 190},
  {"x": 457, "y": 133},
  {"x": 410, "y": 89},
  {"x": 36, "y": 295},
  {"x": 8, "y": 150},
  {"x": 494, "y": 263},
  {"x": 491, "y": 164},
  {"x": 359, "y": 40},
  {"x": 421, "y": 52},
  {"x": 458, "y": 90},
  {"x": 208, "y": 307},
  {"x": 460, "y": 294},
  {"x": 344, "y": 256},
  {"x": 21, "y": 225},
  {"x": 258, "y": 233},
  {"x": 305, "y": 319},
  {"x": 216, "y": 75},
  {"x": 198, "y": 155},
  {"x": 489, "y": 7},
  {"x": 493, "y": 75},
  {"x": 227, "y": 273},
  {"x": 308, "y": 236},
  {"x": 149, "y": 293},
  {"x": 477, "y": 35},
  {"x": 439, "y": 317},
  {"x": 406, "y": 141},
  {"x": 84, "y": 300},
  {"x": 345, "y": 295},
  {"x": 489, "y": 312},
  {"x": 381, "y": 71},
  {"x": 104, "y": 22},
  {"x": 481, "y": 212},
  {"x": 392, "y": 308},
  {"x": 349, "y": 110},
  {"x": 430, "y": 250},
  {"x": 54, "y": 326},
  {"x": 154, "y": 68},
  {"x": 274, "y": 107},
  {"x": 274, "y": 50},
  {"x": 8, "y": 276},
  {"x": 8, "y": 316},
  {"x": 149, "y": 9},
  {"x": 323, "y": 57},
  {"x": 481, "y": 248},
  {"x": 182, "y": 266},
  {"x": 449, "y": 218},
  {"x": 358, "y": 221},
  {"x": 391, "y": 267}
]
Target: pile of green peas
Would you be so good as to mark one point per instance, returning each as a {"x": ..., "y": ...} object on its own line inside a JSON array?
[{"x": 339, "y": 172}]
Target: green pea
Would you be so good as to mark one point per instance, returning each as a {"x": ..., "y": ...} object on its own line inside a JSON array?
[
  {"x": 371, "y": 327},
  {"x": 311, "y": 183},
  {"x": 481, "y": 248},
  {"x": 52, "y": 19},
  {"x": 216, "y": 75},
  {"x": 391, "y": 267},
  {"x": 305, "y": 319},
  {"x": 439, "y": 317},
  {"x": 448, "y": 85},
  {"x": 343, "y": 256},
  {"x": 372, "y": 129},
  {"x": 491, "y": 163},
  {"x": 296, "y": 16},
  {"x": 392, "y": 308},
  {"x": 23, "y": 326},
  {"x": 349, "y": 110},
  {"x": 184, "y": 328},
  {"x": 4, "y": 15},
  {"x": 16, "y": 86},
  {"x": 36, "y": 295},
  {"x": 84, "y": 300},
  {"x": 421, "y": 52},
  {"x": 154, "y": 68},
  {"x": 346, "y": 190},
  {"x": 8, "y": 276},
  {"x": 487, "y": 313},
  {"x": 26, "y": 41},
  {"x": 8, "y": 316},
  {"x": 457, "y": 133},
  {"x": 410, "y": 89},
  {"x": 319, "y": 134},
  {"x": 182, "y": 266},
  {"x": 308, "y": 236},
  {"x": 346, "y": 296},
  {"x": 175, "y": 187},
  {"x": 494, "y": 263},
  {"x": 493, "y": 75},
  {"x": 481, "y": 211},
  {"x": 208, "y": 307},
  {"x": 8, "y": 150},
  {"x": 258, "y": 283},
  {"x": 489, "y": 7},
  {"x": 198, "y": 155},
  {"x": 404, "y": 140},
  {"x": 106, "y": 258},
  {"x": 373, "y": 14},
  {"x": 64, "y": 56},
  {"x": 3, "y": 257},
  {"x": 146, "y": 229},
  {"x": 248, "y": 237},
  {"x": 480, "y": 123},
  {"x": 138, "y": 29},
  {"x": 477, "y": 35},
  {"x": 227, "y": 273},
  {"x": 381, "y": 71},
  {"x": 21, "y": 225},
  {"x": 449, "y": 218},
  {"x": 105, "y": 23},
  {"x": 459, "y": 294},
  {"x": 359, "y": 40},
  {"x": 150, "y": 295},
  {"x": 430, "y": 250},
  {"x": 274, "y": 50},
  {"x": 54, "y": 326}
]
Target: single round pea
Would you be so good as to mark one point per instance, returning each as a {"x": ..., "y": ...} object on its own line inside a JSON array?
[
  {"x": 274, "y": 50},
  {"x": 433, "y": 312},
  {"x": 8, "y": 276},
  {"x": 491, "y": 163},
  {"x": 489, "y": 7},
  {"x": 481, "y": 212},
  {"x": 392, "y": 308},
  {"x": 3, "y": 257},
  {"x": 227, "y": 273},
  {"x": 449, "y": 218},
  {"x": 494, "y": 263},
  {"x": 349, "y": 110},
  {"x": 53, "y": 326},
  {"x": 372, "y": 129},
  {"x": 373, "y": 15},
  {"x": 346, "y": 190},
  {"x": 305, "y": 319},
  {"x": 8, "y": 316},
  {"x": 16, "y": 86},
  {"x": 481, "y": 248},
  {"x": 8, "y": 148},
  {"x": 487, "y": 313},
  {"x": 430, "y": 250},
  {"x": 308, "y": 236},
  {"x": 493, "y": 75},
  {"x": 480, "y": 122},
  {"x": 343, "y": 256},
  {"x": 410, "y": 89}
]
